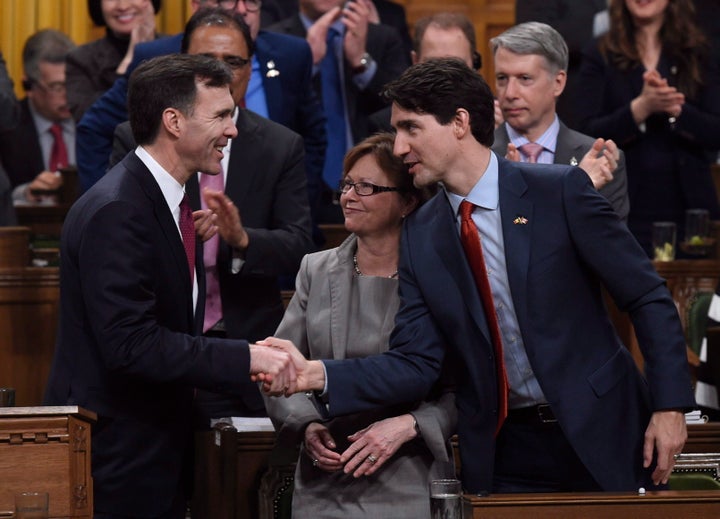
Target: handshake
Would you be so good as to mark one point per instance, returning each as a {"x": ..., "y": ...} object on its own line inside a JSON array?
[{"x": 282, "y": 369}]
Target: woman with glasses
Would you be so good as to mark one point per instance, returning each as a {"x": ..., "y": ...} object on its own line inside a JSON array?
[
  {"x": 92, "y": 68},
  {"x": 344, "y": 306}
]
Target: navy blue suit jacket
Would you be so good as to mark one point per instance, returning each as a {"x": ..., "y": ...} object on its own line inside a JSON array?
[
  {"x": 571, "y": 246},
  {"x": 125, "y": 346},
  {"x": 290, "y": 97}
]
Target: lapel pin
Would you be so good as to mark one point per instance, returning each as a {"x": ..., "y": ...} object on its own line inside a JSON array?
[
  {"x": 520, "y": 220},
  {"x": 573, "y": 161},
  {"x": 272, "y": 71}
]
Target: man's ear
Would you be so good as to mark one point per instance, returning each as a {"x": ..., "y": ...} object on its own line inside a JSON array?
[
  {"x": 172, "y": 121},
  {"x": 461, "y": 122}
]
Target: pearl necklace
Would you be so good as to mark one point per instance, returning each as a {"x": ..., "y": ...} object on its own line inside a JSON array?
[{"x": 358, "y": 272}]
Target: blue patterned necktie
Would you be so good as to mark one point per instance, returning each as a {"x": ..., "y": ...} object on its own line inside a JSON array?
[{"x": 332, "y": 90}]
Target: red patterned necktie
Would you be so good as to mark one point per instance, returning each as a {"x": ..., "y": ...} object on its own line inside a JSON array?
[
  {"x": 58, "y": 153},
  {"x": 473, "y": 250},
  {"x": 213, "y": 302},
  {"x": 187, "y": 231},
  {"x": 532, "y": 151}
]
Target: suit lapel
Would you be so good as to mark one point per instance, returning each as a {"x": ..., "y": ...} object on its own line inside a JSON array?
[
  {"x": 272, "y": 84},
  {"x": 567, "y": 151},
  {"x": 340, "y": 277},
  {"x": 517, "y": 221},
  {"x": 446, "y": 243},
  {"x": 238, "y": 185}
]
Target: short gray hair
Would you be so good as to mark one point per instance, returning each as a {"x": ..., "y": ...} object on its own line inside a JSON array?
[
  {"x": 535, "y": 38},
  {"x": 47, "y": 45}
]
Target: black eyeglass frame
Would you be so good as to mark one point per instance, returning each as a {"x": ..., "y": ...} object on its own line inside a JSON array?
[
  {"x": 225, "y": 4},
  {"x": 345, "y": 186}
]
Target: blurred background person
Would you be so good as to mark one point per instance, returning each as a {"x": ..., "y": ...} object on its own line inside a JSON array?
[
  {"x": 43, "y": 141},
  {"x": 352, "y": 60},
  {"x": 531, "y": 61},
  {"x": 578, "y": 22},
  {"x": 650, "y": 85},
  {"x": 92, "y": 68},
  {"x": 9, "y": 114},
  {"x": 344, "y": 307}
]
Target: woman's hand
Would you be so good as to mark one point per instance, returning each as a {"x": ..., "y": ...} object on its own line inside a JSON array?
[
  {"x": 319, "y": 445},
  {"x": 656, "y": 97},
  {"x": 374, "y": 445}
]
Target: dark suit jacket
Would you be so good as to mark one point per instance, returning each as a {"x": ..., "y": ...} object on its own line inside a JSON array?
[
  {"x": 20, "y": 150},
  {"x": 291, "y": 102},
  {"x": 668, "y": 164},
  {"x": 574, "y": 145},
  {"x": 266, "y": 181},
  {"x": 125, "y": 346},
  {"x": 384, "y": 45},
  {"x": 571, "y": 245}
]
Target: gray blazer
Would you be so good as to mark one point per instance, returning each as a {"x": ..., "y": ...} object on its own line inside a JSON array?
[
  {"x": 570, "y": 148},
  {"x": 316, "y": 321}
]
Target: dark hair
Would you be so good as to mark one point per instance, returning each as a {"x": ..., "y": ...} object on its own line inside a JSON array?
[
  {"x": 95, "y": 11},
  {"x": 439, "y": 87},
  {"x": 448, "y": 21},
  {"x": 169, "y": 82},
  {"x": 47, "y": 45},
  {"x": 217, "y": 17},
  {"x": 680, "y": 37},
  {"x": 380, "y": 147}
]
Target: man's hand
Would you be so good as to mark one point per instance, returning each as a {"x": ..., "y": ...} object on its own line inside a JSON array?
[
  {"x": 273, "y": 368},
  {"x": 318, "y": 445},
  {"x": 43, "y": 186},
  {"x": 512, "y": 153},
  {"x": 204, "y": 220},
  {"x": 226, "y": 219},
  {"x": 600, "y": 162},
  {"x": 666, "y": 435},
  {"x": 317, "y": 34},
  {"x": 355, "y": 16},
  {"x": 310, "y": 373},
  {"x": 376, "y": 444}
]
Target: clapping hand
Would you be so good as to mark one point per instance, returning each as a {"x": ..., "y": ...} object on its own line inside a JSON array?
[{"x": 600, "y": 162}]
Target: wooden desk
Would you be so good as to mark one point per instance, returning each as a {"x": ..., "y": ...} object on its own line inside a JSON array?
[
  {"x": 46, "y": 220},
  {"x": 28, "y": 323},
  {"x": 47, "y": 449},
  {"x": 703, "y": 438},
  {"x": 699, "y": 504}
]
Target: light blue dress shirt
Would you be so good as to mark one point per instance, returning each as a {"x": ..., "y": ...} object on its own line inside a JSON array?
[
  {"x": 485, "y": 195},
  {"x": 547, "y": 140}
]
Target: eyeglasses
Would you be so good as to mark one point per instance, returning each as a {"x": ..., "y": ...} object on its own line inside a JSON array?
[
  {"x": 366, "y": 188},
  {"x": 56, "y": 87},
  {"x": 235, "y": 62},
  {"x": 251, "y": 5}
]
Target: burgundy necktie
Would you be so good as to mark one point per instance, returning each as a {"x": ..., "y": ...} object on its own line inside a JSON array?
[
  {"x": 213, "y": 302},
  {"x": 473, "y": 250},
  {"x": 187, "y": 231},
  {"x": 58, "y": 153},
  {"x": 532, "y": 151}
]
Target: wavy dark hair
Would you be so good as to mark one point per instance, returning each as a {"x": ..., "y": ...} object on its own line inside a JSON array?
[
  {"x": 95, "y": 11},
  {"x": 680, "y": 36}
]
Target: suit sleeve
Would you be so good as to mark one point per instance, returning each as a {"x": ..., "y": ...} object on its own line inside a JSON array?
[
  {"x": 120, "y": 292},
  {"x": 614, "y": 255},
  {"x": 278, "y": 249},
  {"x": 95, "y": 133},
  {"x": 406, "y": 372},
  {"x": 9, "y": 106}
]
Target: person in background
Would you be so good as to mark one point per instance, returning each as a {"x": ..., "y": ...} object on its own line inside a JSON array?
[
  {"x": 43, "y": 142},
  {"x": 650, "y": 85},
  {"x": 352, "y": 59},
  {"x": 9, "y": 115},
  {"x": 93, "y": 68},
  {"x": 132, "y": 305},
  {"x": 531, "y": 62},
  {"x": 343, "y": 307},
  {"x": 578, "y": 23},
  {"x": 503, "y": 271}
]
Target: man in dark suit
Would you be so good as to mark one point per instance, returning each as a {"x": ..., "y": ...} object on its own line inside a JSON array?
[
  {"x": 363, "y": 57},
  {"x": 9, "y": 114},
  {"x": 28, "y": 149},
  {"x": 265, "y": 179},
  {"x": 132, "y": 296},
  {"x": 537, "y": 51},
  {"x": 579, "y": 23},
  {"x": 281, "y": 70},
  {"x": 581, "y": 415}
]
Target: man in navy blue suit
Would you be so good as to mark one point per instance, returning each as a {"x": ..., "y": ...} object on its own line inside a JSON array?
[
  {"x": 581, "y": 415},
  {"x": 280, "y": 89}
]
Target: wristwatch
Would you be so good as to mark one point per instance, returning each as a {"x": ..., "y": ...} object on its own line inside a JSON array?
[{"x": 364, "y": 64}]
